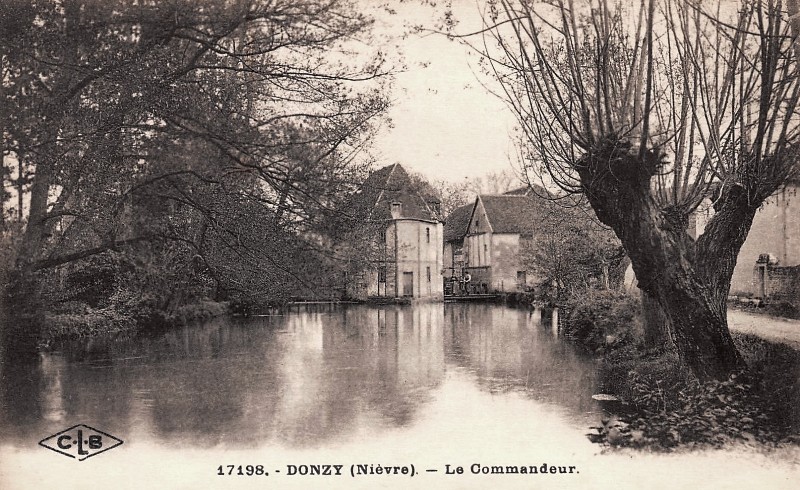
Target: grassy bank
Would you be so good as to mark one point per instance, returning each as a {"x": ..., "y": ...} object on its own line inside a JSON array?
[
  {"x": 661, "y": 406},
  {"x": 84, "y": 321},
  {"x": 665, "y": 407},
  {"x": 782, "y": 309}
]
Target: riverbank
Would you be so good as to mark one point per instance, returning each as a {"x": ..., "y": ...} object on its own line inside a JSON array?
[
  {"x": 653, "y": 402},
  {"x": 661, "y": 406},
  {"x": 426, "y": 384},
  {"x": 87, "y": 322}
]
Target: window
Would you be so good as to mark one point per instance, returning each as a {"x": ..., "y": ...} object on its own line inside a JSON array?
[
  {"x": 382, "y": 274},
  {"x": 428, "y": 272},
  {"x": 383, "y": 236},
  {"x": 428, "y": 235}
]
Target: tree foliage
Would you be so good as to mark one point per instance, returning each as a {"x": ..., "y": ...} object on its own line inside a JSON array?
[
  {"x": 210, "y": 136},
  {"x": 572, "y": 253}
]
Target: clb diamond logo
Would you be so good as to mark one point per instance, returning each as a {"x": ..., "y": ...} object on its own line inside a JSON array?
[{"x": 80, "y": 442}]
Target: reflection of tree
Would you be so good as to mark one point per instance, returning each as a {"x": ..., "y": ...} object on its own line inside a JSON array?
[
  {"x": 300, "y": 379},
  {"x": 20, "y": 405},
  {"x": 224, "y": 389},
  {"x": 189, "y": 383},
  {"x": 511, "y": 349}
]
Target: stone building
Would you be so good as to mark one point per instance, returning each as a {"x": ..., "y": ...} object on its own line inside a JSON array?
[
  {"x": 455, "y": 230},
  {"x": 767, "y": 266},
  {"x": 400, "y": 235},
  {"x": 486, "y": 245}
]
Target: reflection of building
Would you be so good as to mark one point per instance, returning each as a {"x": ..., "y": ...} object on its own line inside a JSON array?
[
  {"x": 486, "y": 245},
  {"x": 515, "y": 348},
  {"x": 381, "y": 359},
  {"x": 403, "y": 226}
]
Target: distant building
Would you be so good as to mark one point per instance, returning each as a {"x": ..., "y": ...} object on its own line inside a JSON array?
[
  {"x": 399, "y": 222},
  {"x": 455, "y": 230},
  {"x": 484, "y": 240},
  {"x": 498, "y": 228},
  {"x": 768, "y": 263}
]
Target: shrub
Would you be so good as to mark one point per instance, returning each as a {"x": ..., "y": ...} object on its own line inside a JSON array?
[
  {"x": 597, "y": 319},
  {"x": 84, "y": 322},
  {"x": 784, "y": 308},
  {"x": 662, "y": 370},
  {"x": 201, "y": 310},
  {"x": 523, "y": 298},
  {"x": 126, "y": 312}
]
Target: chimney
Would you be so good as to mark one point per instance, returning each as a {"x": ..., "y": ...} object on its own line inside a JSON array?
[{"x": 397, "y": 209}]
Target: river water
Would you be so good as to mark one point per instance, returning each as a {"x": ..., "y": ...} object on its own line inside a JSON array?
[{"x": 429, "y": 385}]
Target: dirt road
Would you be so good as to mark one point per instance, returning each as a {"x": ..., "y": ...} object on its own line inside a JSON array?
[{"x": 767, "y": 327}]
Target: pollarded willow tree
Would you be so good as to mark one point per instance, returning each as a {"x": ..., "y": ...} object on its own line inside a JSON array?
[{"x": 647, "y": 109}]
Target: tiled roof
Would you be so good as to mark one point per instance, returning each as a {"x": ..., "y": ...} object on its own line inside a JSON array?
[
  {"x": 456, "y": 224},
  {"x": 521, "y": 191},
  {"x": 513, "y": 213},
  {"x": 385, "y": 186}
]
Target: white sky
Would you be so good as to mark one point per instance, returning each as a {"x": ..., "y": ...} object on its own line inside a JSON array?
[{"x": 446, "y": 125}]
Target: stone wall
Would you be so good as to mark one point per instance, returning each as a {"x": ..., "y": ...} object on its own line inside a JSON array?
[
  {"x": 775, "y": 283},
  {"x": 775, "y": 231}
]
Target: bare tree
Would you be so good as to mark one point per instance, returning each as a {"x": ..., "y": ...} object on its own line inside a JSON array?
[
  {"x": 497, "y": 182},
  {"x": 646, "y": 109}
]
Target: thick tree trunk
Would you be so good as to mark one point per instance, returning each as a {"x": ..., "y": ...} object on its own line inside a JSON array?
[
  {"x": 22, "y": 329},
  {"x": 34, "y": 236},
  {"x": 699, "y": 325},
  {"x": 657, "y": 328},
  {"x": 689, "y": 280}
]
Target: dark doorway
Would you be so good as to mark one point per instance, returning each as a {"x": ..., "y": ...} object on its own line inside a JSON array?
[
  {"x": 762, "y": 282},
  {"x": 408, "y": 284}
]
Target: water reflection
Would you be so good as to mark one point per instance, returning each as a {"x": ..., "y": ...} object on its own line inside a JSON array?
[
  {"x": 307, "y": 378},
  {"x": 517, "y": 350}
]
